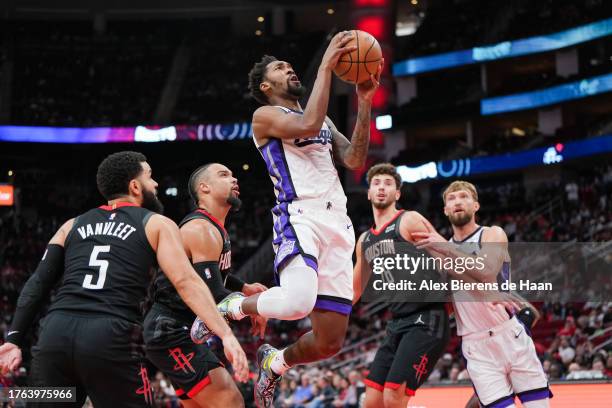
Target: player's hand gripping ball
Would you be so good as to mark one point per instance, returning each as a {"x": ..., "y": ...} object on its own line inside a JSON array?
[{"x": 356, "y": 66}]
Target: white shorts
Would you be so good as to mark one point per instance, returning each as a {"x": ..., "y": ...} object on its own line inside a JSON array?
[
  {"x": 502, "y": 362},
  {"x": 324, "y": 237}
]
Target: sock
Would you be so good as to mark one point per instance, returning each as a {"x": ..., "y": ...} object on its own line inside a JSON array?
[
  {"x": 278, "y": 365},
  {"x": 235, "y": 309}
]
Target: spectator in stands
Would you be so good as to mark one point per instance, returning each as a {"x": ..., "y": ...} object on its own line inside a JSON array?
[
  {"x": 341, "y": 400},
  {"x": 303, "y": 392},
  {"x": 570, "y": 327},
  {"x": 283, "y": 398},
  {"x": 325, "y": 395},
  {"x": 566, "y": 351},
  {"x": 598, "y": 365}
]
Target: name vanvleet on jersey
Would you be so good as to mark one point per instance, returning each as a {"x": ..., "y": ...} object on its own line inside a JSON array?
[{"x": 120, "y": 230}]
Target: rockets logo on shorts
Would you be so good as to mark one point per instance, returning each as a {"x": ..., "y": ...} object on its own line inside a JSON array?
[
  {"x": 183, "y": 362},
  {"x": 421, "y": 368},
  {"x": 145, "y": 390}
]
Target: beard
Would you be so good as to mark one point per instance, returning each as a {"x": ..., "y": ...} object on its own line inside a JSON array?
[
  {"x": 151, "y": 202},
  {"x": 383, "y": 205},
  {"x": 296, "y": 91},
  {"x": 461, "y": 219},
  {"x": 235, "y": 202}
]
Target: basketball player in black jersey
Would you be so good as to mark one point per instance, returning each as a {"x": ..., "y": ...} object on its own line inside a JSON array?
[
  {"x": 91, "y": 338},
  {"x": 199, "y": 378},
  {"x": 418, "y": 332}
]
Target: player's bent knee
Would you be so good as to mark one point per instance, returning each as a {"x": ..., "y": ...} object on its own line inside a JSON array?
[
  {"x": 329, "y": 347},
  {"x": 374, "y": 398},
  {"x": 395, "y": 398},
  {"x": 300, "y": 303},
  {"x": 231, "y": 398},
  {"x": 222, "y": 392}
]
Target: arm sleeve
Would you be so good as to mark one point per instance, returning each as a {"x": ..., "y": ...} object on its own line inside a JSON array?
[
  {"x": 234, "y": 283},
  {"x": 35, "y": 290},
  {"x": 210, "y": 273}
]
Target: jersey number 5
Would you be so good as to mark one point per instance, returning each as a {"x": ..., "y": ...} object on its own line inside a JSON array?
[{"x": 100, "y": 263}]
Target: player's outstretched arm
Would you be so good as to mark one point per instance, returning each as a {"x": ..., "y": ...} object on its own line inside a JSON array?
[
  {"x": 164, "y": 236},
  {"x": 269, "y": 121},
  {"x": 33, "y": 294}
]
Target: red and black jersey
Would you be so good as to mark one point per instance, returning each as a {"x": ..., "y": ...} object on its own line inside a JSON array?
[
  {"x": 107, "y": 263},
  {"x": 387, "y": 242},
  {"x": 163, "y": 291}
]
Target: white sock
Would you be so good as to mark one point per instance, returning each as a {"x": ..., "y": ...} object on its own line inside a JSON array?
[
  {"x": 278, "y": 365},
  {"x": 235, "y": 309}
]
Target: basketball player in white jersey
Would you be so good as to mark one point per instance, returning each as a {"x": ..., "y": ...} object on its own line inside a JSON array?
[
  {"x": 313, "y": 236},
  {"x": 501, "y": 357}
]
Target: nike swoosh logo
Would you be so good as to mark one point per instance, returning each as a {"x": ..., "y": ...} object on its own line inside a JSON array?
[
  {"x": 12, "y": 332},
  {"x": 516, "y": 336}
]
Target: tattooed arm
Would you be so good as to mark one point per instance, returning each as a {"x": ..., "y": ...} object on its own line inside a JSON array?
[{"x": 352, "y": 154}]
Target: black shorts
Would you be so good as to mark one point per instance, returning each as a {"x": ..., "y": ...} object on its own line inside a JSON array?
[
  {"x": 170, "y": 348},
  {"x": 410, "y": 350},
  {"x": 103, "y": 357}
]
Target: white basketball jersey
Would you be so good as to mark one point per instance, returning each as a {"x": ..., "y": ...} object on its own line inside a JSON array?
[
  {"x": 472, "y": 315},
  {"x": 303, "y": 169}
]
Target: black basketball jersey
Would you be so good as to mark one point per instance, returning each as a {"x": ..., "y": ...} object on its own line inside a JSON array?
[
  {"x": 387, "y": 242},
  {"x": 166, "y": 294},
  {"x": 107, "y": 263}
]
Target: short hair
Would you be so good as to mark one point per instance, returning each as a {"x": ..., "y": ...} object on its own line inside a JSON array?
[
  {"x": 257, "y": 76},
  {"x": 460, "y": 185},
  {"x": 192, "y": 185},
  {"x": 384, "y": 168},
  {"x": 116, "y": 171}
]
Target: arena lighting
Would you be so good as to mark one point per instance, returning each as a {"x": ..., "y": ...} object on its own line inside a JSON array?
[
  {"x": 374, "y": 25},
  {"x": 205, "y": 132},
  {"x": 384, "y": 122},
  {"x": 549, "y": 96},
  {"x": 7, "y": 195},
  {"x": 370, "y": 3},
  {"x": 511, "y": 161},
  {"x": 506, "y": 49}
]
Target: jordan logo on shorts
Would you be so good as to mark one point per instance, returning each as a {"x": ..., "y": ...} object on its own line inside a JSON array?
[
  {"x": 182, "y": 360},
  {"x": 421, "y": 368},
  {"x": 146, "y": 386},
  {"x": 419, "y": 320}
]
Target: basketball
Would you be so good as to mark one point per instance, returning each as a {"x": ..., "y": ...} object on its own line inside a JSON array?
[{"x": 356, "y": 66}]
